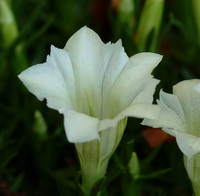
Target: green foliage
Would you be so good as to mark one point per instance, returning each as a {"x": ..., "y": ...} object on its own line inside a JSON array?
[{"x": 35, "y": 157}]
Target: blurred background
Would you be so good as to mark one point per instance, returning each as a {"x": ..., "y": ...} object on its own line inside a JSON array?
[{"x": 35, "y": 156}]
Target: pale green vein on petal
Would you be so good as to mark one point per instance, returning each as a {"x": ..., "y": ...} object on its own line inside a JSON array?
[{"x": 86, "y": 51}]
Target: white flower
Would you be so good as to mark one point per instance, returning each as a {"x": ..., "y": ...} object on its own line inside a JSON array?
[
  {"x": 95, "y": 86},
  {"x": 180, "y": 117}
]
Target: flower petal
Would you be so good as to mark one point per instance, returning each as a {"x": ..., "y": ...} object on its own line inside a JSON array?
[
  {"x": 189, "y": 144},
  {"x": 189, "y": 96},
  {"x": 83, "y": 128},
  {"x": 85, "y": 49},
  {"x": 116, "y": 59},
  {"x": 148, "y": 111},
  {"x": 172, "y": 102},
  {"x": 146, "y": 95},
  {"x": 189, "y": 165},
  {"x": 46, "y": 80},
  {"x": 96, "y": 66},
  {"x": 61, "y": 61},
  {"x": 134, "y": 78},
  {"x": 80, "y": 127},
  {"x": 168, "y": 119}
]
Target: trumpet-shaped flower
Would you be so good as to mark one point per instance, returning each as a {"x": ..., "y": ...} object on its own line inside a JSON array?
[
  {"x": 180, "y": 116},
  {"x": 96, "y": 87}
]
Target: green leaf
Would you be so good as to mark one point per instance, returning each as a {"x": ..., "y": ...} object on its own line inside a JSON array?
[{"x": 155, "y": 174}]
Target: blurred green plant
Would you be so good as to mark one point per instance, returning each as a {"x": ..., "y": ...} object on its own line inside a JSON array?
[
  {"x": 196, "y": 11},
  {"x": 149, "y": 25},
  {"x": 9, "y": 30},
  {"x": 126, "y": 15}
]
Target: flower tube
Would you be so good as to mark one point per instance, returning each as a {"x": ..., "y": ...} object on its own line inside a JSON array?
[
  {"x": 96, "y": 86},
  {"x": 180, "y": 117}
]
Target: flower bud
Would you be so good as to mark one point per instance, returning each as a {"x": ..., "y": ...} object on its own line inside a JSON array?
[{"x": 149, "y": 25}]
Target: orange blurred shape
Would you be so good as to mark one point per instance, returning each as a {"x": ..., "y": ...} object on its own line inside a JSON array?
[
  {"x": 115, "y": 4},
  {"x": 155, "y": 137}
]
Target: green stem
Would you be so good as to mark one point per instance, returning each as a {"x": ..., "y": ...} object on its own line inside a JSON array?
[
  {"x": 192, "y": 166},
  {"x": 149, "y": 25}
]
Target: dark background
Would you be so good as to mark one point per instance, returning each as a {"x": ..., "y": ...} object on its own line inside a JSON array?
[{"x": 35, "y": 156}]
